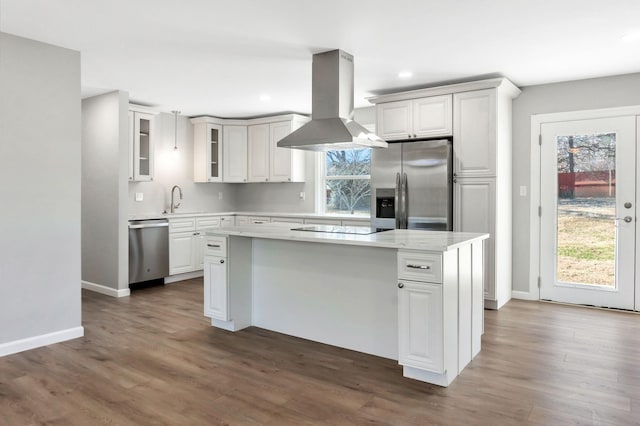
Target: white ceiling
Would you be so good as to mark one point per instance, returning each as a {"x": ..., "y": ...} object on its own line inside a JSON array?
[{"x": 218, "y": 57}]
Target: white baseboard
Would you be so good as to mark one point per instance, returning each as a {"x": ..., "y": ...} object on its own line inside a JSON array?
[
  {"x": 524, "y": 295},
  {"x": 182, "y": 277},
  {"x": 42, "y": 340},
  {"x": 98, "y": 288}
]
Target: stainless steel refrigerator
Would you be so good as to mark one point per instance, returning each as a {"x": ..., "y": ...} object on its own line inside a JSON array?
[{"x": 411, "y": 184}]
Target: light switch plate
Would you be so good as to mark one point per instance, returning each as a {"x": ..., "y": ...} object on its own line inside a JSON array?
[
  {"x": 302, "y": 195},
  {"x": 219, "y": 195},
  {"x": 139, "y": 196},
  {"x": 523, "y": 191}
]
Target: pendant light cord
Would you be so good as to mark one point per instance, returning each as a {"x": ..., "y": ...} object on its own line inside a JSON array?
[{"x": 175, "y": 130}]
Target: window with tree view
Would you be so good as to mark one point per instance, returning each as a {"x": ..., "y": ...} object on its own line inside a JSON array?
[{"x": 347, "y": 181}]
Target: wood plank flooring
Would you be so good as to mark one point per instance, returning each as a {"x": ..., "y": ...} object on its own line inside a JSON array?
[{"x": 153, "y": 359}]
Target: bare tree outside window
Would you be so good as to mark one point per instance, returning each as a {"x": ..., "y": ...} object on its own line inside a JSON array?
[{"x": 347, "y": 181}]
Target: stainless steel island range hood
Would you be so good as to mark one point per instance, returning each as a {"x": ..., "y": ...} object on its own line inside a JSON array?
[{"x": 332, "y": 126}]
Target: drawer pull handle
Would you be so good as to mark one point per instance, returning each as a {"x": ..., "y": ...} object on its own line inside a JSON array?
[
  {"x": 418, "y": 266},
  {"x": 221, "y": 260},
  {"x": 400, "y": 285},
  {"x": 213, "y": 245}
]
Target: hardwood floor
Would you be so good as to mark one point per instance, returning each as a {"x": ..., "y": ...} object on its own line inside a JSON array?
[{"x": 153, "y": 359}]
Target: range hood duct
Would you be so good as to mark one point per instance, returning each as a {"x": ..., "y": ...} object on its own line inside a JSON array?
[{"x": 332, "y": 126}]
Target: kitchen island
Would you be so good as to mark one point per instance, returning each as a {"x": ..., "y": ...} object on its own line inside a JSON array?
[{"x": 412, "y": 296}]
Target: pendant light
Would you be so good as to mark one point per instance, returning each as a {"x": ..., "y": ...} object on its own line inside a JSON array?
[{"x": 175, "y": 129}]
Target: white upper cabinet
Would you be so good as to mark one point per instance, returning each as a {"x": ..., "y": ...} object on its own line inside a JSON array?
[
  {"x": 207, "y": 150},
  {"x": 432, "y": 117},
  {"x": 415, "y": 118},
  {"x": 258, "y": 146},
  {"x": 246, "y": 150},
  {"x": 234, "y": 153},
  {"x": 474, "y": 133},
  {"x": 285, "y": 165},
  {"x": 141, "y": 145},
  {"x": 394, "y": 120}
]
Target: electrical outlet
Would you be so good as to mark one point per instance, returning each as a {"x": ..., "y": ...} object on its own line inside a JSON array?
[
  {"x": 302, "y": 195},
  {"x": 523, "y": 191},
  {"x": 219, "y": 195},
  {"x": 139, "y": 196}
]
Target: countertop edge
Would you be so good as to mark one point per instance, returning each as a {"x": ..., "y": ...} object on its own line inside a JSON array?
[{"x": 351, "y": 240}]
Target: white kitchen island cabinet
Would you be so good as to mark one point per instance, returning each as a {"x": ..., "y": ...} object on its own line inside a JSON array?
[{"x": 412, "y": 296}]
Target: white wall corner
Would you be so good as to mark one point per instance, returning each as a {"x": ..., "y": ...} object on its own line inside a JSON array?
[
  {"x": 98, "y": 288},
  {"x": 42, "y": 340}
]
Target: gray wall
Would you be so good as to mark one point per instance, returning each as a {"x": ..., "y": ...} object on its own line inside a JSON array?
[
  {"x": 578, "y": 95},
  {"x": 104, "y": 190},
  {"x": 177, "y": 169},
  {"x": 40, "y": 175}
]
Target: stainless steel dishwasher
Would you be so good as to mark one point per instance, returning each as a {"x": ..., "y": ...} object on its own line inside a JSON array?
[{"x": 148, "y": 250}]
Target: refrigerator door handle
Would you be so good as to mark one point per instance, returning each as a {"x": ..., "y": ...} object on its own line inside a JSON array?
[
  {"x": 405, "y": 203},
  {"x": 397, "y": 201}
]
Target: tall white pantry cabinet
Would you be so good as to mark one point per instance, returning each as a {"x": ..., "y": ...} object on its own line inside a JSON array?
[{"x": 482, "y": 194}]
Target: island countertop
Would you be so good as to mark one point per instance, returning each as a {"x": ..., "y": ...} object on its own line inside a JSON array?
[{"x": 407, "y": 239}]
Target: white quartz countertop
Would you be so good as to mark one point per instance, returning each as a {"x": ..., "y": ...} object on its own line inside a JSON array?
[
  {"x": 142, "y": 216},
  {"x": 407, "y": 239}
]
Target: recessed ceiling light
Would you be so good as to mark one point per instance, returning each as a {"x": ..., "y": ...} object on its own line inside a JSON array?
[
  {"x": 265, "y": 98},
  {"x": 631, "y": 36},
  {"x": 405, "y": 74}
]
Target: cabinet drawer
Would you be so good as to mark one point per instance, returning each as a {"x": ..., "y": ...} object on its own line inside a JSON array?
[
  {"x": 215, "y": 246},
  {"x": 207, "y": 222},
  {"x": 259, "y": 220},
  {"x": 226, "y": 221},
  {"x": 420, "y": 267},
  {"x": 298, "y": 220},
  {"x": 183, "y": 224}
]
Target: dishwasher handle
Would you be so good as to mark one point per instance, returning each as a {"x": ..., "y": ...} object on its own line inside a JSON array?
[{"x": 149, "y": 225}]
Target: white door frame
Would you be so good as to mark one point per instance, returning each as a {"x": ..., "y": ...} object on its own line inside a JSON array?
[{"x": 534, "y": 181}]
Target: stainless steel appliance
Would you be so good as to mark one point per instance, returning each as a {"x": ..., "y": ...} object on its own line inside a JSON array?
[
  {"x": 411, "y": 185},
  {"x": 332, "y": 126},
  {"x": 148, "y": 250}
]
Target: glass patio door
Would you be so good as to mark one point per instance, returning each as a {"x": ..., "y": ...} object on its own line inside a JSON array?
[{"x": 588, "y": 212}]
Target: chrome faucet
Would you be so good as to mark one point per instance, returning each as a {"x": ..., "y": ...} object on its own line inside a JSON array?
[{"x": 175, "y": 206}]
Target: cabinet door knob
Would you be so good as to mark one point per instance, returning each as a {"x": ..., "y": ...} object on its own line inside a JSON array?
[
  {"x": 400, "y": 285},
  {"x": 409, "y": 136},
  {"x": 414, "y": 135},
  {"x": 221, "y": 260}
]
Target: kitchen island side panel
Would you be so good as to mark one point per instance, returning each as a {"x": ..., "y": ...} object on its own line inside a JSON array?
[{"x": 335, "y": 294}]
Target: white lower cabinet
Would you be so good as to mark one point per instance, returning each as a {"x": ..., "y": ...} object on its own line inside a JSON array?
[
  {"x": 216, "y": 303},
  {"x": 475, "y": 201},
  {"x": 182, "y": 252},
  {"x": 420, "y": 328},
  {"x": 186, "y": 242}
]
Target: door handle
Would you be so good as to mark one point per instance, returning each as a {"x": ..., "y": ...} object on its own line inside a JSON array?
[
  {"x": 405, "y": 202},
  {"x": 627, "y": 219},
  {"x": 396, "y": 202},
  {"x": 418, "y": 266}
]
